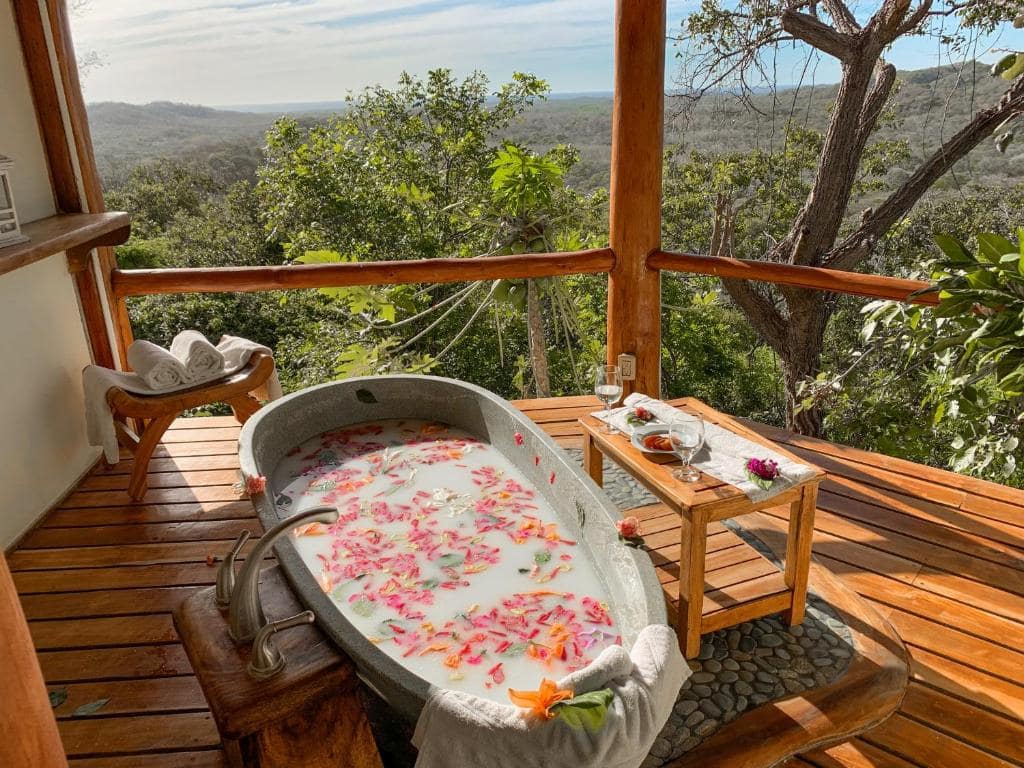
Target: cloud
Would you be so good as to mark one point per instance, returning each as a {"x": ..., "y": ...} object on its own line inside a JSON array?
[{"x": 249, "y": 51}]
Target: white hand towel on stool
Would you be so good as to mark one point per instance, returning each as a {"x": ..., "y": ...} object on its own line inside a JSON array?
[
  {"x": 459, "y": 730},
  {"x": 156, "y": 366},
  {"x": 237, "y": 351},
  {"x": 97, "y": 381},
  {"x": 201, "y": 359}
]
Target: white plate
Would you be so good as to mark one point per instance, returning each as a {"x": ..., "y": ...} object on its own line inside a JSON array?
[{"x": 639, "y": 433}]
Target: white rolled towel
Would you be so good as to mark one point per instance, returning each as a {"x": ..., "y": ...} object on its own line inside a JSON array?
[
  {"x": 156, "y": 366},
  {"x": 201, "y": 359}
]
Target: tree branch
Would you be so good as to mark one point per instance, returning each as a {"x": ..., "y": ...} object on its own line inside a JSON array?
[
  {"x": 874, "y": 102},
  {"x": 817, "y": 34},
  {"x": 914, "y": 19},
  {"x": 844, "y": 19},
  {"x": 761, "y": 311},
  {"x": 858, "y": 245}
]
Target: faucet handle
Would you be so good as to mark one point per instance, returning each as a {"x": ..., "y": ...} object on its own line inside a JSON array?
[
  {"x": 226, "y": 571},
  {"x": 266, "y": 660}
]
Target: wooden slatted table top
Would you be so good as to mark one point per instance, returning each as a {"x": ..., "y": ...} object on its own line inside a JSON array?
[{"x": 709, "y": 494}]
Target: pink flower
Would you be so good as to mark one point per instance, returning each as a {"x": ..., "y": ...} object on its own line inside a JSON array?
[
  {"x": 518, "y": 436},
  {"x": 629, "y": 527},
  {"x": 255, "y": 485},
  {"x": 765, "y": 469}
]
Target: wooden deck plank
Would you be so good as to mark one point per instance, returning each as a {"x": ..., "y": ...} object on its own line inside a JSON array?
[
  {"x": 137, "y": 733},
  {"x": 105, "y": 602},
  {"x": 131, "y": 697},
  {"x": 941, "y": 555},
  {"x": 211, "y": 758}
]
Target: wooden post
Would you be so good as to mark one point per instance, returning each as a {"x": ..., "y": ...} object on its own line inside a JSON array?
[
  {"x": 634, "y": 291},
  {"x": 28, "y": 730},
  {"x": 60, "y": 140},
  {"x": 78, "y": 119}
]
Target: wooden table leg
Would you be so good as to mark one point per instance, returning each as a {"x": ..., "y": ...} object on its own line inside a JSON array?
[
  {"x": 693, "y": 548},
  {"x": 798, "y": 552},
  {"x": 593, "y": 459}
]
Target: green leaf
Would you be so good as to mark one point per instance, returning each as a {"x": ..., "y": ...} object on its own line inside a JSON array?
[
  {"x": 451, "y": 560},
  {"x": 993, "y": 246},
  {"x": 365, "y": 396},
  {"x": 364, "y": 607},
  {"x": 91, "y": 708},
  {"x": 588, "y": 710},
  {"x": 516, "y": 649},
  {"x": 541, "y": 556},
  {"x": 954, "y": 249},
  {"x": 58, "y": 697}
]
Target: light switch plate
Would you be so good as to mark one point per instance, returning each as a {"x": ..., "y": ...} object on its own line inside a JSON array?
[{"x": 627, "y": 367}]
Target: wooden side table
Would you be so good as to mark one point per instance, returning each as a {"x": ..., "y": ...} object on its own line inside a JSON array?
[{"x": 706, "y": 501}]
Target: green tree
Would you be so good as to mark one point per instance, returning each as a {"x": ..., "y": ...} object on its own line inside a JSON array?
[{"x": 729, "y": 45}]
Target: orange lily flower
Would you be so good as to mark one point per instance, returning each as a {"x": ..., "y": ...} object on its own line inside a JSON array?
[{"x": 539, "y": 702}]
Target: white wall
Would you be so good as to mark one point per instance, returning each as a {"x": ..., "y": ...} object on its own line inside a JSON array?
[{"x": 43, "y": 346}]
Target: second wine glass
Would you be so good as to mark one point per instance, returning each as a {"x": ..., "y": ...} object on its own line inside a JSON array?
[
  {"x": 608, "y": 388},
  {"x": 686, "y": 433}
]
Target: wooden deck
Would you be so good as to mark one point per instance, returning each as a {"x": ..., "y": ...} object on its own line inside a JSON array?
[{"x": 940, "y": 555}]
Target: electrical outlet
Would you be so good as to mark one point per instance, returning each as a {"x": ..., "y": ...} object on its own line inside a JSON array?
[{"x": 627, "y": 367}]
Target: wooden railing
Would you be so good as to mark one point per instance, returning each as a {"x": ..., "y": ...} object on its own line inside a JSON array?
[
  {"x": 144, "y": 282},
  {"x": 139, "y": 282},
  {"x": 814, "y": 278}
]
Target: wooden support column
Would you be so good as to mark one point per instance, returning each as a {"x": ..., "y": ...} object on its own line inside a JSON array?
[
  {"x": 28, "y": 730},
  {"x": 64, "y": 142},
  {"x": 634, "y": 290}
]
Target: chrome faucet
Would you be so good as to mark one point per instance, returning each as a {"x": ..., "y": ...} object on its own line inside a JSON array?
[
  {"x": 266, "y": 660},
  {"x": 245, "y": 613},
  {"x": 226, "y": 572}
]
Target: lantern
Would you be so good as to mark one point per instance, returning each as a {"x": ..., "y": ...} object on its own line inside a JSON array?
[{"x": 10, "y": 230}]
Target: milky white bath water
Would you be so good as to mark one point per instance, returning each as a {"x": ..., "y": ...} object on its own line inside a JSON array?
[{"x": 445, "y": 557}]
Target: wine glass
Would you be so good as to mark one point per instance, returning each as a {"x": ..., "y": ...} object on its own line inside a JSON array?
[
  {"x": 686, "y": 433},
  {"x": 608, "y": 388}
]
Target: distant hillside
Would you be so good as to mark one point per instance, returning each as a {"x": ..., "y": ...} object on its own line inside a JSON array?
[{"x": 932, "y": 104}]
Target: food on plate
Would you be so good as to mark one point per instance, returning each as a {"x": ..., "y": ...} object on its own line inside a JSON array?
[{"x": 658, "y": 442}]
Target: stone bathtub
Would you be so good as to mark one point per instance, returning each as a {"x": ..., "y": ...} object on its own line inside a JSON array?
[{"x": 470, "y": 553}]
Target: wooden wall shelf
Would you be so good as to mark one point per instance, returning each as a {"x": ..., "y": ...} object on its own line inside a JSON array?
[{"x": 74, "y": 233}]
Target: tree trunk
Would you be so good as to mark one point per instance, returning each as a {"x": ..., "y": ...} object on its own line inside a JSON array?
[
  {"x": 538, "y": 341},
  {"x": 809, "y": 313}
]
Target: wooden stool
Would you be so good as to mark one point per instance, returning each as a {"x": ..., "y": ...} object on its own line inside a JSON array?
[{"x": 158, "y": 412}]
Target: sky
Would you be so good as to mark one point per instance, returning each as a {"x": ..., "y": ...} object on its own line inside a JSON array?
[{"x": 226, "y": 52}]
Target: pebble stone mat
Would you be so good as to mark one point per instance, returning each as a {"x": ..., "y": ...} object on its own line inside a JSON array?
[
  {"x": 738, "y": 669},
  {"x": 745, "y": 666}
]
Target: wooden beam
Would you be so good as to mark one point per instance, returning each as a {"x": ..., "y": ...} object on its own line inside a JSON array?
[
  {"x": 140, "y": 282},
  {"x": 47, "y": 85},
  {"x": 45, "y": 97},
  {"x": 28, "y": 730},
  {"x": 92, "y": 185},
  {"x": 817, "y": 278},
  {"x": 634, "y": 290}
]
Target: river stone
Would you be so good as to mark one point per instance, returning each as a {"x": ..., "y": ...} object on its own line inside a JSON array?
[
  {"x": 706, "y": 728},
  {"x": 747, "y": 644},
  {"x": 743, "y": 688},
  {"x": 733, "y": 639},
  {"x": 710, "y": 708},
  {"x": 713, "y": 666},
  {"x": 702, "y": 691},
  {"x": 685, "y": 707},
  {"x": 694, "y": 718},
  {"x": 728, "y": 676},
  {"x": 771, "y": 640},
  {"x": 702, "y": 677},
  {"x": 731, "y": 664}
]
